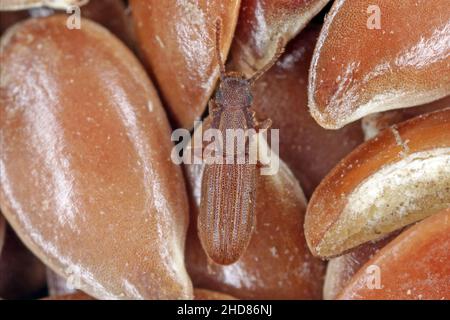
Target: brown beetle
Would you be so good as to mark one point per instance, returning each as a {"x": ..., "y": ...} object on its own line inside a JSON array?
[{"x": 226, "y": 217}]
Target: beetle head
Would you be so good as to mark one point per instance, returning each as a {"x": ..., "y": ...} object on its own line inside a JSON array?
[{"x": 235, "y": 89}]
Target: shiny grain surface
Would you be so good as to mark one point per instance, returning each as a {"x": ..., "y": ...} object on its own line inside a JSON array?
[
  {"x": 86, "y": 176},
  {"x": 176, "y": 40},
  {"x": 263, "y": 23},
  {"x": 309, "y": 150},
  {"x": 414, "y": 266},
  {"x": 397, "y": 178},
  {"x": 356, "y": 71},
  {"x": 109, "y": 13},
  {"x": 376, "y": 122},
  {"x": 277, "y": 263},
  {"x": 341, "y": 269}
]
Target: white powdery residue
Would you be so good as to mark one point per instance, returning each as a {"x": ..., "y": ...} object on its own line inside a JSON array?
[
  {"x": 48, "y": 133},
  {"x": 261, "y": 33},
  {"x": 131, "y": 290},
  {"x": 290, "y": 60},
  {"x": 427, "y": 51},
  {"x": 389, "y": 100},
  {"x": 370, "y": 126},
  {"x": 312, "y": 78},
  {"x": 236, "y": 276},
  {"x": 150, "y": 106},
  {"x": 345, "y": 82},
  {"x": 413, "y": 170},
  {"x": 209, "y": 83},
  {"x": 273, "y": 252},
  {"x": 192, "y": 34},
  {"x": 87, "y": 280},
  {"x": 400, "y": 142},
  {"x": 346, "y": 94},
  {"x": 160, "y": 42},
  {"x": 379, "y": 70},
  {"x": 171, "y": 255},
  {"x": 305, "y": 270},
  {"x": 41, "y": 12}
]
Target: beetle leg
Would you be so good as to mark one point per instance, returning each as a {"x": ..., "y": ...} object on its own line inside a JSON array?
[
  {"x": 254, "y": 123},
  {"x": 213, "y": 108},
  {"x": 264, "y": 125},
  {"x": 260, "y": 165},
  {"x": 214, "y": 113}
]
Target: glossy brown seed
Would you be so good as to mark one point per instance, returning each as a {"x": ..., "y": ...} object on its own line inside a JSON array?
[
  {"x": 358, "y": 69},
  {"x": 277, "y": 263},
  {"x": 341, "y": 269},
  {"x": 109, "y": 13},
  {"x": 112, "y": 15},
  {"x": 204, "y": 294},
  {"x": 376, "y": 122},
  {"x": 176, "y": 40},
  {"x": 415, "y": 265},
  {"x": 395, "y": 179},
  {"x": 22, "y": 275},
  {"x": 86, "y": 176},
  {"x": 281, "y": 94},
  {"x": 7, "y": 5},
  {"x": 261, "y": 23}
]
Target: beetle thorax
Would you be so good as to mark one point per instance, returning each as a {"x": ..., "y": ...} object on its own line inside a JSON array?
[{"x": 234, "y": 92}]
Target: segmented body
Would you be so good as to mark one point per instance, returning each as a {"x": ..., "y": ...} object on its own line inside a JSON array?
[
  {"x": 227, "y": 207},
  {"x": 227, "y": 210}
]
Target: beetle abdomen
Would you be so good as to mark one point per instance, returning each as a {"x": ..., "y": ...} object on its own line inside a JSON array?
[{"x": 226, "y": 217}]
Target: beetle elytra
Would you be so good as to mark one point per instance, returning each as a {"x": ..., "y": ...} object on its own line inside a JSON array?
[{"x": 228, "y": 195}]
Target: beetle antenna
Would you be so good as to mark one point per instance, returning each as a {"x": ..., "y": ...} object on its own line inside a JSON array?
[
  {"x": 218, "y": 54},
  {"x": 276, "y": 56}
]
